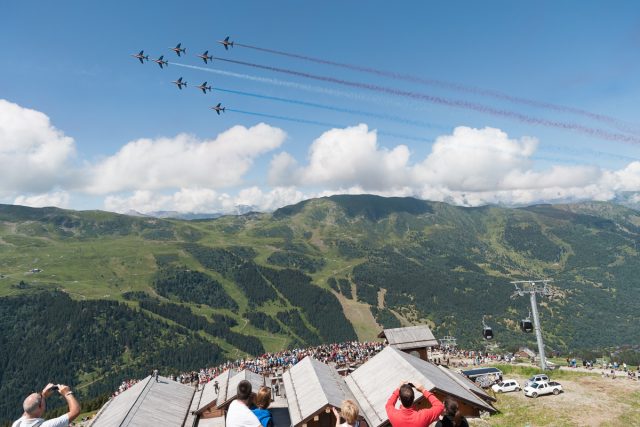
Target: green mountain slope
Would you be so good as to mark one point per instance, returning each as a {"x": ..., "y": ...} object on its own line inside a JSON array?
[{"x": 322, "y": 270}]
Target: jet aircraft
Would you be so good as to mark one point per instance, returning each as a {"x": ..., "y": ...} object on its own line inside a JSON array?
[
  {"x": 205, "y": 57},
  {"x": 180, "y": 83},
  {"x": 141, "y": 56},
  {"x": 218, "y": 108},
  {"x": 204, "y": 88},
  {"x": 160, "y": 61},
  {"x": 226, "y": 43},
  {"x": 178, "y": 50}
]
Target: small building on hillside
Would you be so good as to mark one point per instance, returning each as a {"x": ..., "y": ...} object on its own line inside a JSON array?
[
  {"x": 230, "y": 392},
  {"x": 207, "y": 397},
  {"x": 483, "y": 376},
  {"x": 214, "y": 405},
  {"x": 312, "y": 389},
  {"x": 525, "y": 353},
  {"x": 416, "y": 340},
  {"x": 468, "y": 384}
]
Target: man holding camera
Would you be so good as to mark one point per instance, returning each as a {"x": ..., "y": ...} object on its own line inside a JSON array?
[
  {"x": 407, "y": 415},
  {"x": 35, "y": 406}
]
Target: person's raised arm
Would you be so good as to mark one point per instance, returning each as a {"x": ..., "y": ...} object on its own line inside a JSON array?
[
  {"x": 429, "y": 415},
  {"x": 337, "y": 415},
  {"x": 48, "y": 390},
  {"x": 391, "y": 403},
  {"x": 74, "y": 406}
]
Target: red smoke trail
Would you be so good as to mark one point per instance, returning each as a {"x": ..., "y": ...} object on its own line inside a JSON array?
[
  {"x": 455, "y": 86},
  {"x": 452, "y": 103},
  {"x": 337, "y": 109}
]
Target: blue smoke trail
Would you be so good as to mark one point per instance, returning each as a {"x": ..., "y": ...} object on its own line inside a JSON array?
[
  {"x": 456, "y": 103},
  {"x": 325, "y": 124},
  {"x": 307, "y": 88},
  {"x": 327, "y": 91},
  {"x": 337, "y": 109}
]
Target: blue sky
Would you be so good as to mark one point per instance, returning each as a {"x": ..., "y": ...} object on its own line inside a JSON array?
[{"x": 70, "y": 61}]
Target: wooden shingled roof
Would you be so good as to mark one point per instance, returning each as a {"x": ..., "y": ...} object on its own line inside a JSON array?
[
  {"x": 373, "y": 383},
  {"x": 230, "y": 391},
  {"x": 410, "y": 337},
  {"x": 313, "y": 386},
  {"x": 209, "y": 396},
  {"x": 147, "y": 404}
]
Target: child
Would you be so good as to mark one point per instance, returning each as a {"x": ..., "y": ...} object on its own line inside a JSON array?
[
  {"x": 263, "y": 400},
  {"x": 349, "y": 412}
]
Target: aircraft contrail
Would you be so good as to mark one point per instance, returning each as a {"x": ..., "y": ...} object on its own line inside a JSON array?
[
  {"x": 338, "y": 109},
  {"x": 330, "y": 125},
  {"x": 294, "y": 85},
  {"x": 317, "y": 89},
  {"x": 594, "y": 132},
  {"x": 458, "y": 87}
]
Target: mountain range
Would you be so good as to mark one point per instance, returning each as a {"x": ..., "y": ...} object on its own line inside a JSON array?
[{"x": 96, "y": 297}]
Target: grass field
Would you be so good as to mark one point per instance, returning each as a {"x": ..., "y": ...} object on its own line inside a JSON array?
[{"x": 587, "y": 400}]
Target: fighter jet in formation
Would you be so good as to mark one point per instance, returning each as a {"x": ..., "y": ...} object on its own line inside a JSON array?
[
  {"x": 178, "y": 50},
  {"x": 218, "y": 108},
  {"x": 160, "y": 62},
  {"x": 204, "y": 88},
  {"x": 205, "y": 57},
  {"x": 180, "y": 83},
  {"x": 141, "y": 56},
  {"x": 226, "y": 43}
]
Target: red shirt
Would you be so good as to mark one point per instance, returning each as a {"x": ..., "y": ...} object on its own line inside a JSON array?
[{"x": 410, "y": 417}]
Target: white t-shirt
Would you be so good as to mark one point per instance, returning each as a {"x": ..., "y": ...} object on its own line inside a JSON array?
[
  {"x": 241, "y": 416},
  {"x": 61, "y": 421}
]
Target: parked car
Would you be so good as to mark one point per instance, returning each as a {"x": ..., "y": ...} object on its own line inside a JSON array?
[
  {"x": 505, "y": 386},
  {"x": 539, "y": 378},
  {"x": 538, "y": 389}
]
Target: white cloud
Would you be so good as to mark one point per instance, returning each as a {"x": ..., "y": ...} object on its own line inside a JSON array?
[
  {"x": 184, "y": 161},
  {"x": 468, "y": 167},
  {"x": 57, "y": 198},
  {"x": 189, "y": 174},
  {"x": 349, "y": 156},
  {"x": 474, "y": 159},
  {"x": 34, "y": 156},
  {"x": 283, "y": 170},
  {"x": 200, "y": 200},
  {"x": 270, "y": 200},
  {"x": 627, "y": 179}
]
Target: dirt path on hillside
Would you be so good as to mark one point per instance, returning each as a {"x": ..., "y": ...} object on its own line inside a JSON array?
[
  {"x": 381, "y": 293},
  {"x": 360, "y": 317}
]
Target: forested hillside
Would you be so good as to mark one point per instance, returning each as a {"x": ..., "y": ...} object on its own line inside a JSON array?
[{"x": 90, "y": 298}]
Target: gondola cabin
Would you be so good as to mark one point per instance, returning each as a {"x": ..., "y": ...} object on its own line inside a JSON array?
[
  {"x": 526, "y": 325},
  {"x": 487, "y": 332}
]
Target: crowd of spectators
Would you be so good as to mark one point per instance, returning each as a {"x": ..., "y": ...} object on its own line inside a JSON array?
[
  {"x": 351, "y": 353},
  {"x": 126, "y": 385},
  {"x": 338, "y": 354},
  {"x": 346, "y": 354},
  {"x": 459, "y": 358}
]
